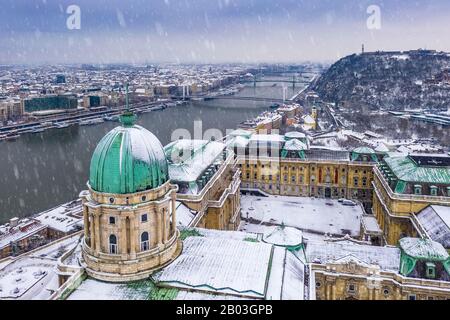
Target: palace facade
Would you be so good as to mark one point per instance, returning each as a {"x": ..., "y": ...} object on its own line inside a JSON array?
[{"x": 288, "y": 165}]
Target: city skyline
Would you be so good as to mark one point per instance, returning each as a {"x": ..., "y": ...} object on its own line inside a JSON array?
[{"x": 214, "y": 32}]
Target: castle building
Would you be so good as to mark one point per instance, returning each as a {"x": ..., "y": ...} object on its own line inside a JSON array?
[
  {"x": 404, "y": 185},
  {"x": 345, "y": 269},
  {"x": 208, "y": 182},
  {"x": 129, "y": 209},
  {"x": 288, "y": 165}
]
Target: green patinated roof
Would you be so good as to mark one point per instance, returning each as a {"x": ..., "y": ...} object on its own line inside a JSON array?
[
  {"x": 128, "y": 159},
  {"x": 400, "y": 187},
  {"x": 423, "y": 249},
  {"x": 404, "y": 168}
]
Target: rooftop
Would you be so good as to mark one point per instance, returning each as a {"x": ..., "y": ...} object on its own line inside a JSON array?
[
  {"x": 425, "y": 249},
  {"x": 213, "y": 264},
  {"x": 436, "y": 222},
  {"x": 188, "y": 159},
  {"x": 387, "y": 258},
  {"x": 420, "y": 168}
]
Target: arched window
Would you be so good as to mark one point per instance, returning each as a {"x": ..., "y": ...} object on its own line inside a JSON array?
[
  {"x": 112, "y": 244},
  {"x": 144, "y": 241}
]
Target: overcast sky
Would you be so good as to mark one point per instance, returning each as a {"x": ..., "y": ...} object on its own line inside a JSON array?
[{"x": 35, "y": 31}]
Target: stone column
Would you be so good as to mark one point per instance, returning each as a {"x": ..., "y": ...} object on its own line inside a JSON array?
[
  {"x": 174, "y": 214},
  {"x": 97, "y": 232},
  {"x": 159, "y": 226},
  {"x": 86, "y": 222},
  {"x": 164, "y": 225},
  {"x": 123, "y": 235},
  {"x": 375, "y": 294},
  {"x": 333, "y": 292},
  {"x": 91, "y": 230},
  {"x": 133, "y": 236},
  {"x": 327, "y": 291}
]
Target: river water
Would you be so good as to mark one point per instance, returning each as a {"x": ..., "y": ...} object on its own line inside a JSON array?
[{"x": 40, "y": 171}]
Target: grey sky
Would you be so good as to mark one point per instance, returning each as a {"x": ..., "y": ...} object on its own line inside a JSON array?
[{"x": 34, "y": 31}]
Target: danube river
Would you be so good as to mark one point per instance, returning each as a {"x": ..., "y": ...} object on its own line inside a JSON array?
[{"x": 40, "y": 171}]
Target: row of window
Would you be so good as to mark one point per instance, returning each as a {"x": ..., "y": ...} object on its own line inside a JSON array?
[
  {"x": 112, "y": 200},
  {"x": 328, "y": 170},
  {"x": 434, "y": 191},
  {"x": 301, "y": 179},
  {"x": 144, "y": 218},
  {"x": 114, "y": 247}
]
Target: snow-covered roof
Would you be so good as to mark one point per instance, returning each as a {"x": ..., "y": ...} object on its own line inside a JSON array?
[
  {"x": 188, "y": 159},
  {"x": 423, "y": 249},
  {"x": 436, "y": 222},
  {"x": 184, "y": 215},
  {"x": 220, "y": 265},
  {"x": 283, "y": 236},
  {"x": 267, "y": 138},
  {"x": 387, "y": 258},
  {"x": 63, "y": 218},
  {"x": 238, "y": 141},
  {"x": 308, "y": 119},
  {"x": 381, "y": 148},
  {"x": 364, "y": 150},
  {"x": 241, "y": 133},
  {"x": 295, "y": 135},
  {"x": 25, "y": 229},
  {"x": 371, "y": 224},
  {"x": 295, "y": 145}
]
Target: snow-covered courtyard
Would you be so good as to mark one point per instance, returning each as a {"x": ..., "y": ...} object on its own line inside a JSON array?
[{"x": 312, "y": 215}]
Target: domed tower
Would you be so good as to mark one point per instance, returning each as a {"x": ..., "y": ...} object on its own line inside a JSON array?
[{"x": 129, "y": 210}]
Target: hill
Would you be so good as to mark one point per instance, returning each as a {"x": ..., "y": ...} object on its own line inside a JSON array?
[{"x": 389, "y": 80}]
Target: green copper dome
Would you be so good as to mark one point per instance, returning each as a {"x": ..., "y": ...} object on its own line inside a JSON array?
[{"x": 128, "y": 159}]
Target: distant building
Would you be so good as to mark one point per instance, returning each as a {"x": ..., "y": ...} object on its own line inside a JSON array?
[
  {"x": 50, "y": 102},
  {"x": 95, "y": 100},
  {"x": 10, "y": 110},
  {"x": 60, "y": 78}
]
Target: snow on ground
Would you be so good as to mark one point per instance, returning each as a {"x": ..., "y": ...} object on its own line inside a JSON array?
[
  {"x": 220, "y": 265},
  {"x": 307, "y": 214},
  {"x": 400, "y": 57}
]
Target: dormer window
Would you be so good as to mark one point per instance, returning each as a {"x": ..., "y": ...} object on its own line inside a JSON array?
[
  {"x": 433, "y": 190},
  {"x": 417, "y": 189},
  {"x": 431, "y": 270}
]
